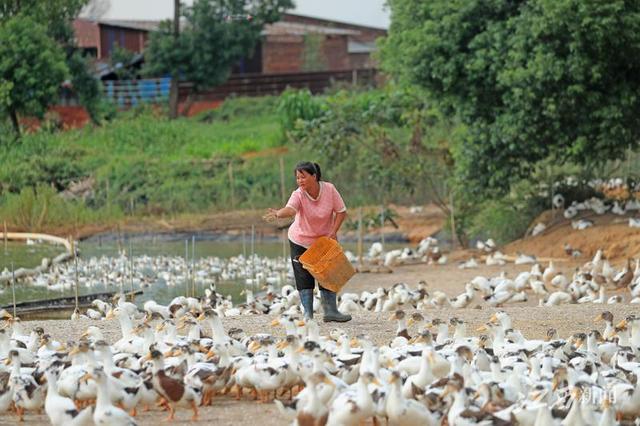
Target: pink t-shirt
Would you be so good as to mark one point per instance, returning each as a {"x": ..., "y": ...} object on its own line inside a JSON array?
[{"x": 314, "y": 217}]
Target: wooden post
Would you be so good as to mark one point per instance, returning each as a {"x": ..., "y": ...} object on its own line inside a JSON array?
[
  {"x": 6, "y": 239},
  {"x": 284, "y": 200},
  {"x": 173, "y": 89},
  {"x": 231, "y": 185},
  {"x": 360, "y": 236},
  {"x": 453, "y": 222},
  {"x": 13, "y": 288}
]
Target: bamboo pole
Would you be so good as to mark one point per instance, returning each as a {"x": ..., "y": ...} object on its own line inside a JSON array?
[
  {"x": 360, "y": 235},
  {"x": 186, "y": 263},
  {"x": 382, "y": 225},
  {"x": 193, "y": 264},
  {"x": 231, "y": 185},
  {"x": 131, "y": 267},
  {"x": 244, "y": 243},
  {"x": 282, "y": 190},
  {"x": 284, "y": 244},
  {"x": 108, "y": 196},
  {"x": 13, "y": 288},
  {"x": 253, "y": 240},
  {"x": 453, "y": 222},
  {"x": 253, "y": 253},
  {"x": 119, "y": 240},
  {"x": 628, "y": 161},
  {"x": 75, "y": 263}
]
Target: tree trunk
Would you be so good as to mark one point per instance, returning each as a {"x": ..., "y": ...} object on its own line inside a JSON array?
[
  {"x": 14, "y": 120},
  {"x": 173, "y": 90}
]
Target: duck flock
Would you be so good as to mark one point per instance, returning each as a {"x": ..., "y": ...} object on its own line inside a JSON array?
[
  {"x": 595, "y": 282},
  {"x": 180, "y": 357},
  {"x": 124, "y": 271}
]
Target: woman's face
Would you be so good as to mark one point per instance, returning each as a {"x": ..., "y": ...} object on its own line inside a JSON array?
[{"x": 305, "y": 180}]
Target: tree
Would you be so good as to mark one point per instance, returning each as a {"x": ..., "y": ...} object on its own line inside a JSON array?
[
  {"x": 216, "y": 35},
  {"x": 56, "y": 16},
  {"x": 32, "y": 64},
  {"x": 531, "y": 79}
]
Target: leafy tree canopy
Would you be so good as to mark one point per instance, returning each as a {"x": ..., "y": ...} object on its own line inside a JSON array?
[
  {"x": 530, "y": 78},
  {"x": 32, "y": 66},
  {"x": 216, "y": 34},
  {"x": 57, "y": 15}
]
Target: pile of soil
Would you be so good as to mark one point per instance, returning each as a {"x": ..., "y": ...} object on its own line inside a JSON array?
[{"x": 610, "y": 232}]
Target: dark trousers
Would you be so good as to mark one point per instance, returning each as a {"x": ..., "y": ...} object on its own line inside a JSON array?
[{"x": 304, "y": 279}]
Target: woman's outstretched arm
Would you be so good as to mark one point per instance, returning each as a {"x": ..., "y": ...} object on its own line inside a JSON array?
[{"x": 273, "y": 214}]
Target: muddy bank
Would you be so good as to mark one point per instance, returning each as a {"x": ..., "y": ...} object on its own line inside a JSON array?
[{"x": 412, "y": 226}]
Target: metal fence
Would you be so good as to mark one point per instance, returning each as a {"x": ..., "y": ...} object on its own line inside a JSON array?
[
  {"x": 274, "y": 84},
  {"x": 129, "y": 93}
]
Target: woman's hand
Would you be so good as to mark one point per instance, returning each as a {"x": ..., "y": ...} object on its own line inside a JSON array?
[
  {"x": 271, "y": 215},
  {"x": 333, "y": 236}
]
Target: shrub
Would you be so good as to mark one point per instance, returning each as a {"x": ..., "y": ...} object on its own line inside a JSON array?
[
  {"x": 295, "y": 105},
  {"x": 500, "y": 220}
]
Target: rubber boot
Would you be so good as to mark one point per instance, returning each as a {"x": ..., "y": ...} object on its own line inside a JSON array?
[
  {"x": 330, "y": 309},
  {"x": 306, "y": 297}
]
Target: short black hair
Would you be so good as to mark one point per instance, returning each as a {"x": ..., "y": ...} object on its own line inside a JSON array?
[{"x": 311, "y": 168}]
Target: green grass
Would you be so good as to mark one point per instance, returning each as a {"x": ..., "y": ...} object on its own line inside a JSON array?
[{"x": 143, "y": 162}]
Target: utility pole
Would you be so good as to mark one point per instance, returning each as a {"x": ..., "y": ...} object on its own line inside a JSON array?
[{"x": 173, "y": 89}]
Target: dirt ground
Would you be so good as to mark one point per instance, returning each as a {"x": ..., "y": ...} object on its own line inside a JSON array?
[
  {"x": 610, "y": 232},
  {"x": 412, "y": 226},
  {"x": 532, "y": 320}
]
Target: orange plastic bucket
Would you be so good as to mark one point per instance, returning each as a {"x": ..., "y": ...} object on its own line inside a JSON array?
[{"x": 326, "y": 261}]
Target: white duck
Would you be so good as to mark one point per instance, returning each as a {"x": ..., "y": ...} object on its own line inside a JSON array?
[
  {"x": 105, "y": 413},
  {"x": 61, "y": 410},
  {"x": 27, "y": 393},
  {"x": 403, "y": 412},
  {"x": 355, "y": 405}
]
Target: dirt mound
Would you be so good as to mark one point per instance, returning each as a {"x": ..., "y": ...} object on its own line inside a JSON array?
[{"x": 611, "y": 233}]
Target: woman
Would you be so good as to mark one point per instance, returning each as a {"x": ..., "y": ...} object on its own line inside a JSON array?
[{"x": 319, "y": 211}]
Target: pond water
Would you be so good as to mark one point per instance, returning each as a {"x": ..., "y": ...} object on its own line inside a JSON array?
[{"x": 18, "y": 255}]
